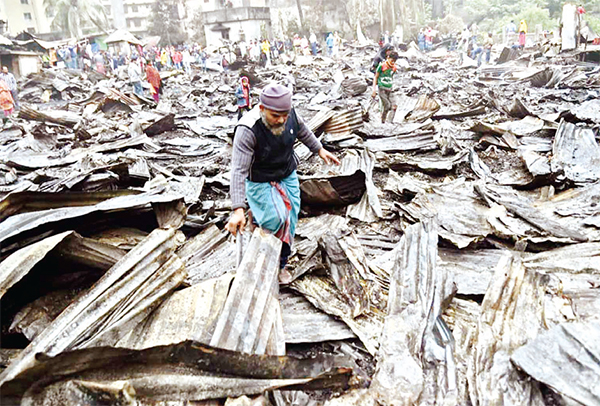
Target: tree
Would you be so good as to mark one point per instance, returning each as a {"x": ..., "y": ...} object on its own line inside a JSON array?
[
  {"x": 73, "y": 16},
  {"x": 437, "y": 9},
  {"x": 198, "y": 34},
  {"x": 166, "y": 22}
]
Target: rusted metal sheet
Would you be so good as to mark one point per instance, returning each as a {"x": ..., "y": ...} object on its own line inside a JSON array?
[
  {"x": 345, "y": 274},
  {"x": 345, "y": 122},
  {"x": 22, "y": 202},
  {"x": 69, "y": 120},
  {"x": 323, "y": 294},
  {"x": 335, "y": 185}
]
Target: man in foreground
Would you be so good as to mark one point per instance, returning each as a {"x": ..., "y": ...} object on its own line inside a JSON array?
[{"x": 263, "y": 166}]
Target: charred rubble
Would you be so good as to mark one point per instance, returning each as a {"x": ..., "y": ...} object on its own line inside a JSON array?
[{"x": 453, "y": 258}]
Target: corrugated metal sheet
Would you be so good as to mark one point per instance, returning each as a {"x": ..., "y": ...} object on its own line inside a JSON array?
[
  {"x": 418, "y": 291},
  {"x": 576, "y": 153},
  {"x": 304, "y": 323},
  {"x": 345, "y": 122},
  {"x": 197, "y": 308},
  {"x": 149, "y": 265},
  {"x": 423, "y": 141},
  {"x": 20, "y": 223},
  {"x": 17, "y": 265},
  {"x": 59, "y": 117},
  {"x": 320, "y": 118},
  {"x": 249, "y": 319},
  {"x": 312, "y": 227}
]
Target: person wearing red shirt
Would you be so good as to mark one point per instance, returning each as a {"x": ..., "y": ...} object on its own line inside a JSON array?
[{"x": 153, "y": 77}]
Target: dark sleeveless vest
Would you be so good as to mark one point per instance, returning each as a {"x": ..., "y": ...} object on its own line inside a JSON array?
[{"x": 274, "y": 157}]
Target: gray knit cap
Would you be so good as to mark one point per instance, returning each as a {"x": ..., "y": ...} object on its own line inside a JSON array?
[{"x": 276, "y": 97}]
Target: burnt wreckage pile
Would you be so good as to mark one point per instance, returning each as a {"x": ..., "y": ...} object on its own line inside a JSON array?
[{"x": 453, "y": 258}]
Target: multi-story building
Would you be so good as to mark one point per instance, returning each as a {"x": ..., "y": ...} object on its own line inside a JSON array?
[
  {"x": 132, "y": 15},
  {"x": 234, "y": 20},
  {"x": 24, "y": 15}
]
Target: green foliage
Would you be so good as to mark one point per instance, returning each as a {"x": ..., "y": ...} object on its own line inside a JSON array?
[
  {"x": 166, "y": 23},
  {"x": 73, "y": 17},
  {"x": 198, "y": 34},
  {"x": 594, "y": 23},
  {"x": 292, "y": 28},
  {"x": 494, "y": 15}
]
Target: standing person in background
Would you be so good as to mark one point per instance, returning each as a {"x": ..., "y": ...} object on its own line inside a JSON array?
[
  {"x": 522, "y": 33},
  {"x": 177, "y": 60},
  {"x": 313, "y": 43},
  {"x": 428, "y": 39},
  {"x": 384, "y": 83},
  {"x": 135, "y": 75},
  {"x": 297, "y": 44},
  {"x": 488, "y": 43},
  {"x": 510, "y": 31},
  {"x": 164, "y": 58},
  {"x": 421, "y": 40},
  {"x": 99, "y": 63},
  {"x": 304, "y": 45},
  {"x": 242, "y": 93},
  {"x": 11, "y": 82},
  {"x": 187, "y": 60},
  {"x": 153, "y": 77},
  {"x": 265, "y": 47},
  {"x": 337, "y": 43},
  {"x": 463, "y": 44},
  {"x": 329, "y": 41},
  {"x": 6, "y": 100}
]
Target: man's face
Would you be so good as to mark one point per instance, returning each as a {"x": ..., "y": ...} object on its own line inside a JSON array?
[
  {"x": 4, "y": 69},
  {"x": 274, "y": 120}
]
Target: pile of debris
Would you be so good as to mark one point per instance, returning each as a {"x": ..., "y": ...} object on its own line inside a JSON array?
[{"x": 453, "y": 257}]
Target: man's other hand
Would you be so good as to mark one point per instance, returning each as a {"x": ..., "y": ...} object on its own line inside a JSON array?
[
  {"x": 237, "y": 221},
  {"x": 328, "y": 157}
]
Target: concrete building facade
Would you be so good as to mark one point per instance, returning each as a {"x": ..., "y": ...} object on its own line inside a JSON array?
[
  {"x": 131, "y": 15},
  {"x": 235, "y": 20},
  {"x": 24, "y": 15}
]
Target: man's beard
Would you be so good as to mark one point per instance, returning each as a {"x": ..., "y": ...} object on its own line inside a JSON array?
[{"x": 276, "y": 130}]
